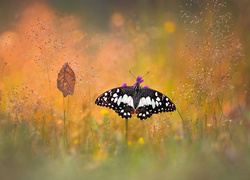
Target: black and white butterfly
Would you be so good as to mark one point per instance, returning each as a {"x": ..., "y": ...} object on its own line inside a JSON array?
[{"x": 129, "y": 100}]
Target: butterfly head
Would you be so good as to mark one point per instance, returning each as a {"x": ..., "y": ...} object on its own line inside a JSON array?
[{"x": 137, "y": 86}]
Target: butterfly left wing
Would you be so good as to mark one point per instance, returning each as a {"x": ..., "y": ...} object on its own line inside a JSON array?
[
  {"x": 119, "y": 99},
  {"x": 153, "y": 102}
]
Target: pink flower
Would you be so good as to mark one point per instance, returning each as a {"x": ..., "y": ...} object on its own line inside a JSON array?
[
  {"x": 124, "y": 85},
  {"x": 139, "y": 80}
]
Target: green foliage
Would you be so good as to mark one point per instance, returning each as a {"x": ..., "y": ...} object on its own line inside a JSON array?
[{"x": 223, "y": 153}]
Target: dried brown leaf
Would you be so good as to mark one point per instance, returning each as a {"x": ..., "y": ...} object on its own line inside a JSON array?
[{"x": 66, "y": 80}]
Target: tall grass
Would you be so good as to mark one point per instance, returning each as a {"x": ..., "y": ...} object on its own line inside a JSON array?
[{"x": 215, "y": 54}]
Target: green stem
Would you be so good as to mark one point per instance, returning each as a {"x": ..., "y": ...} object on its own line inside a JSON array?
[
  {"x": 51, "y": 107},
  {"x": 50, "y": 93},
  {"x": 67, "y": 124},
  {"x": 64, "y": 123},
  {"x": 90, "y": 121},
  {"x": 222, "y": 114},
  {"x": 126, "y": 132},
  {"x": 180, "y": 115},
  {"x": 43, "y": 128}
]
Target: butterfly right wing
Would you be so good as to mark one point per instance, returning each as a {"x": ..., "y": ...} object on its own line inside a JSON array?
[
  {"x": 119, "y": 99},
  {"x": 153, "y": 102}
]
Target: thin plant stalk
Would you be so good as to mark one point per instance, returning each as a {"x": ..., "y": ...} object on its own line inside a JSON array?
[
  {"x": 90, "y": 121},
  {"x": 185, "y": 125},
  {"x": 126, "y": 132},
  {"x": 205, "y": 123},
  {"x": 222, "y": 114},
  {"x": 51, "y": 108},
  {"x": 43, "y": 128},
  {"x": 50, "y": 93},
  {"x": 64, "y": 123},
  {"x": 67, "y": 123}
]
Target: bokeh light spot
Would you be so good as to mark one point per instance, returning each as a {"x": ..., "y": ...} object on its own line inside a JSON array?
[
  {"x": 117, "y": 19},
  {"x": 169, "y": 27}
]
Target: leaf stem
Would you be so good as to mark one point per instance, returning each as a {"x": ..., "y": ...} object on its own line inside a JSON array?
[{"x": 64, "y": 123}]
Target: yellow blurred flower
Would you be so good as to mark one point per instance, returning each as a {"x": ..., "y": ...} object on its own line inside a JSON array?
[
  {"x": 76, "y": 141},
  {"x": 177, "y": 137},
  {"x": 141, "y": 140},
  {"x": 209, "y": 125},
  {"x": 99, "y": 145},
  {"x": 169, "y": 27},
  {"x": 59, "y": 122},
  {"x": 104, "y": 111},
  {"x": 129, "y": 143}
]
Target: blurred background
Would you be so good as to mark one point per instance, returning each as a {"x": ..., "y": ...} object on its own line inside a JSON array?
[{"x": 196, "y": 52}]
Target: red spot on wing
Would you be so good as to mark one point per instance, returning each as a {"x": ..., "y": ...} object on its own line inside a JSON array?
[
  {"x": 132, "y": 112},
  {"x": 137, "y": 112}
]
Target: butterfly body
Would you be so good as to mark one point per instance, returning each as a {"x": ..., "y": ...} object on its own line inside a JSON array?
[{"x": 129, "y": 100}]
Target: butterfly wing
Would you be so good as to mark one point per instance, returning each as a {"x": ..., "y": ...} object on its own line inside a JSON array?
[
  {"x": 153, "y": 102},
  {"x": 119, "y": 99}
]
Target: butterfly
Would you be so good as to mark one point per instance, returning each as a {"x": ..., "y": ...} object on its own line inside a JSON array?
[{"x": 127, "y": 100}]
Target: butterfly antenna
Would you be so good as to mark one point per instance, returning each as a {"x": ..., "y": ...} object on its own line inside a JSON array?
[
  {"x": 132, "y": 74},
  {"x": 145, "y": 74}
]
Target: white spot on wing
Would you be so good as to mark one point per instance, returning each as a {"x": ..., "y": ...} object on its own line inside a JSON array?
[
  {"x": 143, "y": 100},
  {"x": 140, "y": 104},
  {"x": 148, "y": 100},
  {"x": 119, "y": 100},
  {"x": 153, "y": 103},
  {"x": 130, "y": 101},
  {"x": 156, "y": 103},
  {"x": 115, "y": 95},
  {"x": 158, "y": 99},
  {"x": 124, "y": 99},
  {"x": 117, "y": 90},
  {"x": 156, "y": 94}
]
